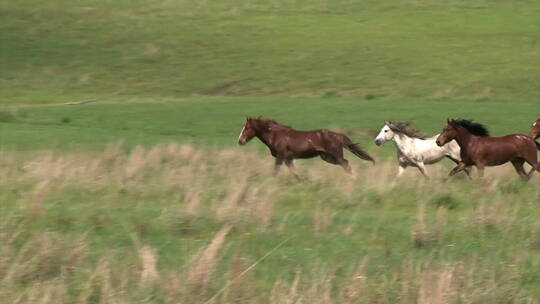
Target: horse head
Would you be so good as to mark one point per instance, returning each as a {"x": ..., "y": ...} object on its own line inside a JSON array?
[
  {"x": 385, "y": 134},
  {"x": 248, "y": 131},
  {"x": 448, "y": 133},
  {"x": 535, "y": 130}
]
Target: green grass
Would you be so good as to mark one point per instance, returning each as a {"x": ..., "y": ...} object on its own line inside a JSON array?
[
  {"x": 96, "y": 213},
  {"x": 77, "y": 221},
  {"x": 218, "y": 121},
  {"x": 400, "y": 50},
  {"x": 145, "y": 197}
]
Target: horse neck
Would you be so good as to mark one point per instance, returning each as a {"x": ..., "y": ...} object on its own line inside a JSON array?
[
  {"x": 264, "y": 133},
  {"x": 464, "y": 138},
  {"x": 403, "y": 142}
]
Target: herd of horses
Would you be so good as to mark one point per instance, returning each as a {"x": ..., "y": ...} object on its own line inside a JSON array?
[{"x": 465, "y": 142}]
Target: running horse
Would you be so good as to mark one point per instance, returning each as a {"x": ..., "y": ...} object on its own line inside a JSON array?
[
  {"x": 287, "y": 144},
  {"x": 414, "y": 149},
  {"x": 481, "y": 150}
]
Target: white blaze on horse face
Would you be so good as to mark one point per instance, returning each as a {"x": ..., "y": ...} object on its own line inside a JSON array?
[{"x": 241, "y": 132}]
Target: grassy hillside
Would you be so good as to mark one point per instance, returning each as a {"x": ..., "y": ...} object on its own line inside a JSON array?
[
  {"x": 144, "y": 196},
  {"x": 55, "y": 51}
]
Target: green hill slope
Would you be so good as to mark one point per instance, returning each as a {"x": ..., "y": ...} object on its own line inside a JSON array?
[{"x": 63, "y": 50}]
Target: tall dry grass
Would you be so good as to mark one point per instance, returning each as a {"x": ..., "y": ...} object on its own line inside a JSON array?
[
  {"x": 222, "y": 196},
  {"x": 204, "y": 262}
]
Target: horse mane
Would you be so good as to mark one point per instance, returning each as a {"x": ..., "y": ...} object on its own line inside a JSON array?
[
  {"x": 269, "y": 122},
  {"x": 473, "y": 127},
  {"x": 403, "y": 128}
]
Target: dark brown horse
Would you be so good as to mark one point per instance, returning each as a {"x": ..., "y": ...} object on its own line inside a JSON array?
[
  {"x": 480, "y": 150},
  {"x": 286, "y": 143}
]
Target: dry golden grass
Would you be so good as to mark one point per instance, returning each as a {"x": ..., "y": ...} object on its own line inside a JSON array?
[
  {"x": 203, "y": 264},
  {"x": 235, "y": 193},
  {"x": 322, "y": 219},
  {"x": 437, "y": 287},
  {"x": 149, "y": 273},
  {"x": 424, "y": 234},
  {"x": 35, "y": 206}
]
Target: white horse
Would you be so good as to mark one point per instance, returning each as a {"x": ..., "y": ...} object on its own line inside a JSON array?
[{"x": 414, "y": 149}]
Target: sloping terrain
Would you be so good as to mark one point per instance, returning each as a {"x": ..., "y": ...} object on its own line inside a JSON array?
[{"x": 71, "y": 50}]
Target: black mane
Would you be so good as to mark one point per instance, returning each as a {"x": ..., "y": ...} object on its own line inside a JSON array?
[
  {"x": 473, "y": 127},
  {"x": 403, "y": 127}
]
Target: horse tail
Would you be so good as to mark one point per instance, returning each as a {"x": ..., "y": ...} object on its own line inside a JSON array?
[{"x": 356, "y": 150}]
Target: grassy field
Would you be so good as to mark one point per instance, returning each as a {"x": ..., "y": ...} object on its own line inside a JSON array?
[
  {"x": 63, "y": 50},
  {"x": 144, "y": 196},
  {"x": 101, "y": 204},
  {"x": 217, "y": 121},
  {"x": 175, "y": 224}
]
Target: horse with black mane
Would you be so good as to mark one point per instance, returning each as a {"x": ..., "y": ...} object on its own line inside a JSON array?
[
  {"x": 287, "y": 144},
  {"x": 481, "y": 150}
]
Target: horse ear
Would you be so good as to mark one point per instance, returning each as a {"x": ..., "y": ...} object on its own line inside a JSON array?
[{"x": 448, "y": 120}]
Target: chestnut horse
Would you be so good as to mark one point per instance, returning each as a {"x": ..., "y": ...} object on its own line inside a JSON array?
[
  {"x": 480, "y": 150},
  {"x": 286, "y": 143}
]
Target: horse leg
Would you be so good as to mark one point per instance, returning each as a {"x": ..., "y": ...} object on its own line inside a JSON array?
[
  {"x": 468, "y": 173},
  {"x": 480, "y": 169},
  {"x": 457, "y": 163},
  {"x": 534, "y": 169},
  {"x": 290, "y": 165},
  {"x": 422, "y": 169},
  {"x": 537, "y": 168},
  {"x": 533, "y": 161},
  {"x": 518, "y": 165},
  {"x": 461, "y": 166},
  {"x": 403, "y": 163},
  {"x": 277, "y": 165},
  {"x": 332, "y": 159},
  {"x": 329, "y": 158},
  {"x": 401, "y": 169},
  {"x": 340, "y": 160},
  {"x": 345, "y": 164}
]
